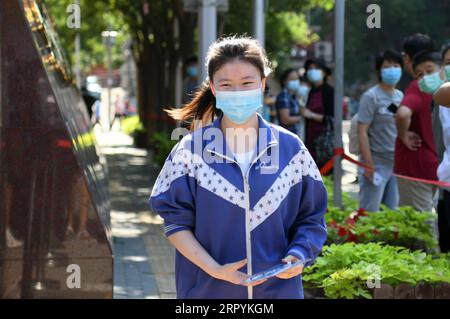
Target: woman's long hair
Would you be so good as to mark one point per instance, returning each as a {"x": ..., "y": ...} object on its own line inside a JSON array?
[{"x": 203, "y": 105}]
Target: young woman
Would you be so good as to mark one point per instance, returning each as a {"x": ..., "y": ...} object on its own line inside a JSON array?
[
  {"x": 287, "y": 105},
  {"x": 239, "y": 195},
  {"x": 320, "y": 104},
  {"x": 377, "y": 134}
]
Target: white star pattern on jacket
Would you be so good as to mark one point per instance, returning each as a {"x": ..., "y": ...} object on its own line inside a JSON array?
[
  {"x": 186, "y": 163},
  {"x": 300, "y": 165}
]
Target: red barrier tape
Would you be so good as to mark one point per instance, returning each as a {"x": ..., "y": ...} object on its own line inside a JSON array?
[
  {"x": 339, "y": 152},
  {"x": 63, "y": 144}
]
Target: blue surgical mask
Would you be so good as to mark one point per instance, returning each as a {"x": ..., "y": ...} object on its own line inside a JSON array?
[
  {"x": 239, "y": 106},
  {"x": 192, "y": 71},
  {"x": 391, "y": 76},
  {"x": 314, "y": 75},
  {"x": 293, "y": 85},
  {"x": 431, "y": 82},
  {"x": 303, "y": 90}
]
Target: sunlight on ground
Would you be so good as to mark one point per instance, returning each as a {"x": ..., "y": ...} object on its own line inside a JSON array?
[
  {"x": 135, "y": 258},
  {"x": 122, "y": 150},
  {"x": 129, "y": 224}
]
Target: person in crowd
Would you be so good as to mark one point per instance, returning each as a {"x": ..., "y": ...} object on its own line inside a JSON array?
[
  {"x": 412, "y": 45},
  {"x": 232, "y": 208},
  {"x": 303, "y": 91},
  {"x": 119, "y": 110},
  {"x": 287, "y": 104},
  {"x": 302, "y": 95},
  {"x": 415, "y": 151},
  {"x": 268, "y": 102},
  {"x": 377, "y": 133},
  {"x": 442, "y": 95},
  {"x": 443, "y": 172},
  {"x": 190, "y": 82},
  {"x": 320, "y": 104}
]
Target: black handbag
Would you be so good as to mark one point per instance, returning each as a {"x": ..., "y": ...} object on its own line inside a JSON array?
[{"x": 324, "y": 143}]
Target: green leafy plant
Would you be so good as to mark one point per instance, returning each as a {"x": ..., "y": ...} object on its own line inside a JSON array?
[
  {"x": 162, "y": 145},
  {"x": 343, "y": 270},
  {"x": 131, "y": 124},
  {"x": 349, "y": 203},
  {"x": 401, "y": 227}
]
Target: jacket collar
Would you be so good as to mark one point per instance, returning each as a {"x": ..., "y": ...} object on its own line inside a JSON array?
[{"x": 266, "y": 139}]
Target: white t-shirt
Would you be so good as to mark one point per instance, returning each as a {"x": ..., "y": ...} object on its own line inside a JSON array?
[
  {"x": 244, "y": 160},
  {"x": 444, "y": 167}
]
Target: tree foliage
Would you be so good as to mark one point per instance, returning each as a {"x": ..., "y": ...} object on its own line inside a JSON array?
[
  {"x": 95, "y": 18},
  {"x": 286, "y": 25},
  {"x": 164, "y": 34},
  {"x": 399, "y": 19}
]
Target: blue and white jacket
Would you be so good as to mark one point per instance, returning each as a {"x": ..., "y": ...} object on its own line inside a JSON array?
[{"x": 275, "y": 209}]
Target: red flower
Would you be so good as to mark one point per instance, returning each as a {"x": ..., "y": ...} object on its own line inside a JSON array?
[
  {"x": 350, "y": 222},
  {"x": 342, "y": 231},
  {"x": 376, "y": 232},
  {"x": 362, "y": 212},
  {"x": 333, "y": 224},
  {"x": 351, "y": 237}
]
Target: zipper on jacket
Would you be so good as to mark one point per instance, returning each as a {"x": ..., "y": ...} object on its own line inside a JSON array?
[
  {"x": 248, "y": 233},
  {"x": 248, "y": 238}
]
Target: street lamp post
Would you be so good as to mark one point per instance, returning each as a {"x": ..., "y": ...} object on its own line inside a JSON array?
[{"x": 109, "y": 39}]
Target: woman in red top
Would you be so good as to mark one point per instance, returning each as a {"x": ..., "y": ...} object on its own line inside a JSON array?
[{"x": 320, "y": 104}]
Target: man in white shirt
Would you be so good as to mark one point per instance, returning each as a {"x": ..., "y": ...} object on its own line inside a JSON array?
[{"x": 442, "y": 98}]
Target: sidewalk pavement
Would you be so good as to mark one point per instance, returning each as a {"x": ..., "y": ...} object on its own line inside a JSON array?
[{"x": 143, "y": 258}]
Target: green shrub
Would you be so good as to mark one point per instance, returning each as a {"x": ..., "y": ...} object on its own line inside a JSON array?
[
  {"x": 401, "y": 227},
  {"x": 162, "y": 145},
  {"x": 131, "y": 124},
  {"x": 343, "y": 270}
]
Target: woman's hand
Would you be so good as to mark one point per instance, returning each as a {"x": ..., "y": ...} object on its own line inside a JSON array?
[
  {"x": 230, "y": 273},
  {"x": 292, "y": 272},
  {"x": 306, "y": 113}
]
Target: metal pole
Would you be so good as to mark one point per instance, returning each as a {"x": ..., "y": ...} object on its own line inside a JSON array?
[
  {"x": 178, "y": 71},
  {"x": 109, "y": 81},
  {"x": 207, "y": 27},
  {"x": 259, "y": 21},
  {"x": 338, "y": 96},
  {"x": 77, "y": 56},
  {"x": 77, "y": 61}
]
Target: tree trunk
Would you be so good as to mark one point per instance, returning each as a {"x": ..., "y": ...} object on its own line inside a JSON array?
[{"x": 157, "y": 64}]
